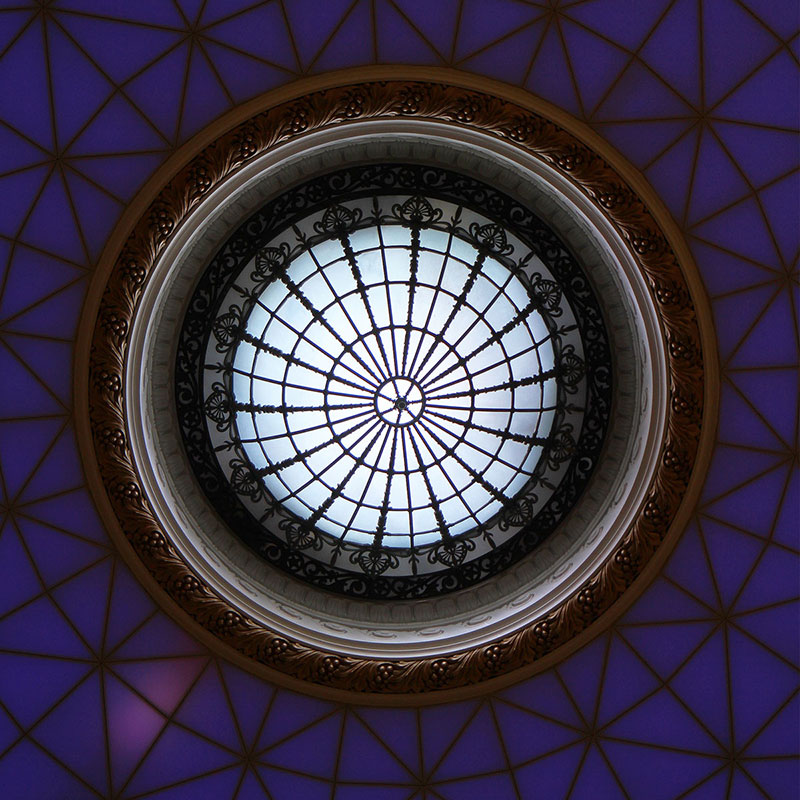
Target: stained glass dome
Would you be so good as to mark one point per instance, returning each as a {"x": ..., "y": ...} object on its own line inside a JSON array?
[{"x": 393, "y": 385}]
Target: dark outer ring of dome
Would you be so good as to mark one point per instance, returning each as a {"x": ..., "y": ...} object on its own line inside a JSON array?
[
  {"x": 375, "y": 180},
  {"x": 460, "y": 100}
]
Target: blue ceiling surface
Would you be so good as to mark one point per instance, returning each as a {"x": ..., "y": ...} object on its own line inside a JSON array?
[{"x": 694, "y": 693}]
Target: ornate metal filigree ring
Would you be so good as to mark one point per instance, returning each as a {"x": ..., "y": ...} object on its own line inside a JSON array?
[{"x": 376, "y": 646}]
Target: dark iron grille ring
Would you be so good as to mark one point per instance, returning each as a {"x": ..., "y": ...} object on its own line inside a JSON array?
[{"x": 378, "y": 413}]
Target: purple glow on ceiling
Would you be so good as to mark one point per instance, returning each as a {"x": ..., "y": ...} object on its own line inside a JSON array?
[{"x": 102, "y": 695}]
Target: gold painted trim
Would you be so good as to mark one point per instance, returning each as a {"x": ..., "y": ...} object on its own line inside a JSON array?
[{"x": 462, "y": 100}]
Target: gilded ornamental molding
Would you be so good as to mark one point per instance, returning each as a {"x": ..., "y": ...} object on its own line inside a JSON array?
[{"x": 537, "y": 136}]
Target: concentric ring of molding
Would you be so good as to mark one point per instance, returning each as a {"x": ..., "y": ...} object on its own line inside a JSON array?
[{"x": 522, "y": 615}]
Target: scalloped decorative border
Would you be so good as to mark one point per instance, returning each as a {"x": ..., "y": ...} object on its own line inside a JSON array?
[{"x": 539, "y": 137}]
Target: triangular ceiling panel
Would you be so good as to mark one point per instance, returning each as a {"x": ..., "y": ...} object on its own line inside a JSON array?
[
  {"x": 673, "y": 171},
  {"x": 398, "y": 40},
  {"x": 146, "y": 12},
  {"x": 700, "y": 688},
  {"x": 129, "y": 607},
  {"x": 164, "y": 683},
  {"x": 320, "y": 738},
  {"x": 120, "y": 127},
  {"x": 595, "y": 776},
  {"x": 435, "y": 21},
  {"x": 529, "y": 736},
  {"x": 55, "y": 316},
  {"x": 552, "y": 775},
  {"x": 463, "y": 758},
  {"x": 158, "y": 92},
  {"x": 781, "y": 203},
  {"x": 768, "y": 344},
  {"x": 120, "y": 49},
  {"x": 206, "y": 710},
  {"x": 511, "y": 58},
  {"x": 620, "y": 20},
  {"x": 779, "y": 16},
  {"x": 717, "y": 180},
  {"x": 730, "y": 28},
  {"x": 79, "y": 88},
  {"x": 366, "y": 759},
  {"x": 748, "y": 143},
  {"x": 30, "y": 397},
  {"x": 741, "y": 422},
  {"x": 677, "y": 728},
  {"x": 118, "y": 175},
  {"x": 52, "y": 224},
  {"x": 26, "y": 760},
  {"x": 19, "y": 582},
  {"x": 18, "y": 192},
  {"x": 81, "y": 596},
  {"x": 673, "y": 51},
  {"x": 741, "y": 230},
  {"x": 250, "y": 699},
  {"x": 23, "y": 65},
  {"x": 596, "y": 62},
  {"x": 51, "y": 361},
  {"x": 57, "y": 555},
  {"x": 725, "y": 272},
  {"x": 242, "y": 75},
  {"x": 742, "y": 509},
  {"x": 260, "y": 32},
  {"x": 205, "y": 98},
  {"x": 17, "y": 152},
  {"x": 95, "y": 209},
  {"x": 639, "y": 94},
  {"x": 774, "y": 627},
  {"x": 311, "y": 24},
  {"x": 398, "y": 730},
  {"x": 760, "y": 684},
  {"x": 133, "y": 727},
  {"x": 14, "y": 22},
  {"x": 478, "y": 28},
  {"x": 33, "y": 276},
  {"x": 351, "y": 42},
  {"x": 71, "y": 513},
  {"x": 28, "y": 441},
  {"x": 658, "y": 774},
  {"x": 760, "y": 98},
  {"x": 83, "y": 748},
  {"x": 779, "y": 387},
  {"x": 551, "y": 75}
]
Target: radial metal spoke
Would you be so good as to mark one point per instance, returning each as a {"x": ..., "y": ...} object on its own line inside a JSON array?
[
  {"x": 512, "y": 384},
  {"x": 461, "y": 361},
  {"x": 296, "y": 459},
  {"x": 258, "y": 408},
  {"x": 504, "y": 434},
  {"x": 476, "y": 476},
  {"x": 337, "y": 492},
  {"x": 438, "y": 338},
  {"x": 355, "y": 270},
  {"x": 381, "y": 529},
  {"x": 320, "y": 317},
  {"x": 437, "y": 510}
]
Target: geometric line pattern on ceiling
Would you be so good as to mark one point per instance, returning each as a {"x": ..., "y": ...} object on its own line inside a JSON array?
[{"x": 115, "y": 700}]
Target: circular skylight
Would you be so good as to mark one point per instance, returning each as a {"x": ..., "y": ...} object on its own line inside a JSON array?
[
  {"x": 393, "y": 381},
  {"x": 392, "y": 386}
]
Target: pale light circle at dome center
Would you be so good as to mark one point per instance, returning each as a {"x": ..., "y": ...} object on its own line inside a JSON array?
[{"x": 391, "y": 393}]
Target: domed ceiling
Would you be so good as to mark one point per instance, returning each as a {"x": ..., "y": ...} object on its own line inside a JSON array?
[{"x": 693, "y": 692}]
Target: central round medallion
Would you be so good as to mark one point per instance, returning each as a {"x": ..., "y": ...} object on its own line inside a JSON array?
[{"x": 399, "y": 401}]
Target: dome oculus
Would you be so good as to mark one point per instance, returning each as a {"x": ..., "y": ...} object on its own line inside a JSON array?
[{"x": 393, "y": 381}]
